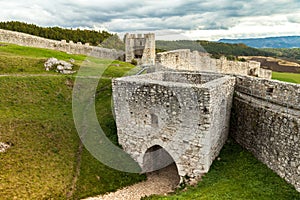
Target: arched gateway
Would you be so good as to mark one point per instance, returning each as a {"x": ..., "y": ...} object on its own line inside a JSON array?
[{"x": 169, "y": 117}]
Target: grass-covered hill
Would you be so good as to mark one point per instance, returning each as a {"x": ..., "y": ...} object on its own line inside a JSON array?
[
  {"x": 36, "y": 117},
  {"x": 46, "y": 160},
  {"x": 215, "y": 48},
  {"x": 289, "y": 53},
  {"x": 56, "y": 33}
]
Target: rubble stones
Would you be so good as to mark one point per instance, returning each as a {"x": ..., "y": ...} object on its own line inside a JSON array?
[{"x": 60, "y": 66}]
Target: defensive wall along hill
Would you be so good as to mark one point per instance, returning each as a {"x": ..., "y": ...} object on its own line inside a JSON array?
[
  {"x": 265, "y": 120},
  {"x": 69, "y": 47},
  {"x": 185, "y": 60}
]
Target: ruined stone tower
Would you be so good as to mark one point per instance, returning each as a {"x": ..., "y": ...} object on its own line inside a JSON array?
[{"x": 140, "y": 48}]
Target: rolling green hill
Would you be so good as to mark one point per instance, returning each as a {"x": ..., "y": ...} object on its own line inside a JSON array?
[
  {"x": 215, "y": 48},
  {"x": 291, "y": 53},
  {"x": 36, "y": 117}
]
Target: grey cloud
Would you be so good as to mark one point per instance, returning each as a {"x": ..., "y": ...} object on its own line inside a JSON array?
[{"x": 129, "y": 15}]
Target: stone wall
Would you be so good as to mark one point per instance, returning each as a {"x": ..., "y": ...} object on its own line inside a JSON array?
[
  {"x": 186, "y": 114},
  {"x": 140, "y": 48},
  {"x": 266, "y": 121},
  {"x": 186, "y": 60},
  {"x": 78, "y": 48}
]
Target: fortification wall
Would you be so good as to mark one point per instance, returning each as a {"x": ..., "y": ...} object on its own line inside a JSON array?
[
  {"x": 187, "y": 114},
  {"x": 186, "y": 60},
  {"x": 266, "y": 121},
  {"x": 78, "y": 48}
]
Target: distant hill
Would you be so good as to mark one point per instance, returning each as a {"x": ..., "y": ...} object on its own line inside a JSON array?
[
  {"x": 215, "y": 48},
  {"x": 288, "y": 53},
  {"x": 269, "y": 42}
]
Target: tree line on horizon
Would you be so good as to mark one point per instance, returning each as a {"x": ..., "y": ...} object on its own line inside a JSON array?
[
  {"x": 92, "y": 37},
  {"x": 216, "y": 49}
]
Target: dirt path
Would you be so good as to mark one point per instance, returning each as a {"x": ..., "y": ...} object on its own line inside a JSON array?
[{"x": 160, "y": 182}]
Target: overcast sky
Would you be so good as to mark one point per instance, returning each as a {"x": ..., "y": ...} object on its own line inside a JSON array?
[{"x": 170, "y": 19}]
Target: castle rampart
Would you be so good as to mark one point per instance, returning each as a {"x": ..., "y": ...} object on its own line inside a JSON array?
[
  {"x": 184, "y": 59},
  {"x": 71, "y": 47},
  {"x": 266, "y": 121}
]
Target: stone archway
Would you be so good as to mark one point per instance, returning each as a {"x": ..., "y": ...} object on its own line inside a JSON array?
[{"x": 158, "y": 162}]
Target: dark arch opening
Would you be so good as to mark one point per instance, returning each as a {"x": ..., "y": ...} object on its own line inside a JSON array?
[{"x": 158, "y": 162}]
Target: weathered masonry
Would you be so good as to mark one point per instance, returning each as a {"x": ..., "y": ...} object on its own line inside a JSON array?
[
  {"x": 140, "y": 48},
  {"x": 266, "y": 121},
  {"x": 167, "y": 117},
  {"x": 184, "y": 59},
  {"x": 183, "y": 117},
  {"x": 69, "y": 47}
]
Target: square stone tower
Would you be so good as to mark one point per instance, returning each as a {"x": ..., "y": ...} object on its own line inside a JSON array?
[
  {"x": 140, "y": 48},
  {"x": 184, "y": 114}
]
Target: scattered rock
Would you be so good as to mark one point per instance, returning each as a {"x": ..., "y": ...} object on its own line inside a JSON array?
[
  {"x": 4, "y": 147},
  {"x": 59, "y": 66},
  {"x": 72, "y": 60}
]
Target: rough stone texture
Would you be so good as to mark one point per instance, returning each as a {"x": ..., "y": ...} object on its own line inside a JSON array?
[
  {"x": 166, "y": 116},
  {"x": 34, "y": 41},
  {"x": 186, "y": 60},
  {"x": 140, "y": 48},
  {"x": 60, "y": 66},
  {"x": 266, "y": 121}
]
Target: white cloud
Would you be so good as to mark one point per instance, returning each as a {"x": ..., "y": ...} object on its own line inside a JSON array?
[{"x": 206, "y": 19}]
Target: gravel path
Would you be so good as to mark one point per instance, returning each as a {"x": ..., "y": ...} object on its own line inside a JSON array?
[{"x": 159, "y": 182}]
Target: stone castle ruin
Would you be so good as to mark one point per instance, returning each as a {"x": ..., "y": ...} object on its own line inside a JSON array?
[
  {"x": 184, "y": 111},
  {"x": 185, "y": 60},
  {"x": 140, "y": 48}
]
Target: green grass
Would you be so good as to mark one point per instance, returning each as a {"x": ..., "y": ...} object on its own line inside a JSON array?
[
  {"x": 36, "y": 116},
  {"x": 238, "y": 175},
  {"x": 287, "y": 77},
  {"x": 29, "y": 60}
]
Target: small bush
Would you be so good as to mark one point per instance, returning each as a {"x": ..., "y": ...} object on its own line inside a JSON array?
[{"x": 134, "y": 62}]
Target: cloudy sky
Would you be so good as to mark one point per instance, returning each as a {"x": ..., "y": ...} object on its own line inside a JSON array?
[{"x": 169, "y": 19}]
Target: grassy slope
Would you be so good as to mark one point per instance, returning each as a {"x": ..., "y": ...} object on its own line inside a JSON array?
[
  {"x": 36, "y": 116},
  {"x": 21, "y": 60},
  {"x": 238, "y": 175},
  {"x": 287, "y": 77}
]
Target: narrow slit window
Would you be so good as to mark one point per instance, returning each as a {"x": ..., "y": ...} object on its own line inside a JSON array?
[{"x": 154, "y": 120}]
